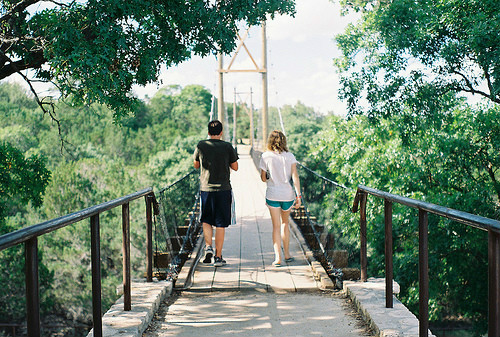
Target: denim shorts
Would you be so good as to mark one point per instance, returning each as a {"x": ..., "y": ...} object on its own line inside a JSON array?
[{"x": 284, "y": 205}]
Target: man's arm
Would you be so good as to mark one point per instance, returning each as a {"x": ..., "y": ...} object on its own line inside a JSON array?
[
  {"x": 233, "y": 165},
  {"x": 196, "y": 157}
]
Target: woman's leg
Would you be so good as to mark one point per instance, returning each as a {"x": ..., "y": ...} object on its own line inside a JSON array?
[
  {"x": 276, "y": 220},
  {"x": 285, "y": 232}
]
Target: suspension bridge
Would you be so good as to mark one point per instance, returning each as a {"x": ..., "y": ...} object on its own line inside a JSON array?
[{"x": 248, "y": 296}]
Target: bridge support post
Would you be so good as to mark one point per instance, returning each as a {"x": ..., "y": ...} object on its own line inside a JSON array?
[
  {"x": 127, "y": 296},
  {"x": 363, "y": 252},
  {"x": 423, "y": 263},
  {"x": 388, "y": 254},
  {"x": 32, "y": 287},
  {"x": 494, "y": 283},
  {"x": 149, "y": 239},
  {"x": 251, "y": 120},
  {"x": 95, "y": 249}
]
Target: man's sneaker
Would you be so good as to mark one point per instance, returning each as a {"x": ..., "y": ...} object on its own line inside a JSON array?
[
  {"x": 209, "y": 253},
  {"x": 219, "y": 262}
]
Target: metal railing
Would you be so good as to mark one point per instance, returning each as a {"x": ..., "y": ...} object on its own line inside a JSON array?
[
  {"x": 29, "y": 236},
  {"x": 424, "y": 208}
]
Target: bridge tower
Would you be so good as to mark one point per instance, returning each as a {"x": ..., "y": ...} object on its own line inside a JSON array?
[{"x": 262, "y": 69}]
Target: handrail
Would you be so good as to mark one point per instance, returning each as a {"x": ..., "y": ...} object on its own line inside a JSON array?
[
  {"x": 490, "y": 225},
  {"x": 24, "y": 234},
  {"x": 452, "y": 214},
  {"x": 29, "y": 236}
]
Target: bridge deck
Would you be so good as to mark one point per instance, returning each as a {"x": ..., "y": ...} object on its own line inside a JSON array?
[
  {"x": 249, "y": 296},
  {"x": 248, "y": 246}
]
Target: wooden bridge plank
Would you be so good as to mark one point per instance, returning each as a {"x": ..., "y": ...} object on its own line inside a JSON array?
[
  {"x": 203, "y": 276},
  {"x": 299, "y": 269},
  {"x": 227, "y": 277},
  {"x": 251, "y": 264}
]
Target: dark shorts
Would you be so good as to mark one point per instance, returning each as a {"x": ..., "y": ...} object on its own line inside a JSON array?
[{"x": 216, "y": 208}]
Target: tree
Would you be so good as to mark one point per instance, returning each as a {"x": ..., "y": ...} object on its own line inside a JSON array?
[
  {"x": 97, "y": 50},
  {"x": 412, "y": 57},
  {"x": 448, "y": 167},
  {"x": 22, "y": 180}
]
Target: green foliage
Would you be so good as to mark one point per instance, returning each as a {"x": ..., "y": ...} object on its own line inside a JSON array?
[
  {"x": 22, "y": 180},
  {"x": 301, "y": 124},
  {"x": 412, "y": 57},
  {"x": 454, "y": 166},
  {"x": 404, "y": 66},
  {"x": 97, "y": 50},
  {"x": 13, "y": 296},
  {"x": 167, "y": 166}
]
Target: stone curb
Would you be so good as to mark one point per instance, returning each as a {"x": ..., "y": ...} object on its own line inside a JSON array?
[
  {"x": 369, "y": 298},
  {"x": 146, "y": 299}
]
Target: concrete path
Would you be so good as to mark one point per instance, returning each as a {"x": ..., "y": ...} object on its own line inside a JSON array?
[
  {"x": 255, "y": 314},
  {"x": 249, "y": 296}
]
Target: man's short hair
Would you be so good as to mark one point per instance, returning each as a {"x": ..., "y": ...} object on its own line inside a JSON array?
[{"x": 214, "y": 128}]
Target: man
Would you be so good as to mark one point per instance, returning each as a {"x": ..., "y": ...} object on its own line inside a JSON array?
[{"x": 215, "y": 157}]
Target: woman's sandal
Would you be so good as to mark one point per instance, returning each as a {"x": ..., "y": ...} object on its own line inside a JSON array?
[
  {"x": 290, "y": 259},
  {"x": 276, "y": 264}
]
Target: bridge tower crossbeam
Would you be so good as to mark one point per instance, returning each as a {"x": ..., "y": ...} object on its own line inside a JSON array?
[{"x": 262, "y": 69}]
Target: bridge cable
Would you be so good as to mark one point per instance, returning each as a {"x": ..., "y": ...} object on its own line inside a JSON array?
[{"x": 273, "y": 80}]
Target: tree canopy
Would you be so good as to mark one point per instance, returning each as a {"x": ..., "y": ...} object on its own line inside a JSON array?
[
  {"x": 96, "y": 50},
  {"x": 413, "y": 56}
]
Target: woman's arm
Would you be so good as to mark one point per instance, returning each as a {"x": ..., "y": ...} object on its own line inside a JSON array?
[
  {"x": 296, "y": 184},
  {"x": 263, "y": 175}
]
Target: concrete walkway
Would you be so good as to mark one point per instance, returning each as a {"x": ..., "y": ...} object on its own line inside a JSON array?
[{"x": 255, "y": 314}]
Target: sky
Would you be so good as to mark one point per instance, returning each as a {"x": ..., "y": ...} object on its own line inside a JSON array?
[{"x": 300, "y": 52}]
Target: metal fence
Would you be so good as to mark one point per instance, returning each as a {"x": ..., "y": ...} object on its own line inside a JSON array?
[
  {"x": 29, "y": 237},
  {"x": 424, "y": 208}
]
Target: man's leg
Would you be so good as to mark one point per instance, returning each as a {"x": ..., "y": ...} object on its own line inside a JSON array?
[
  {"x": 207, "y": 233},
  {"x": 219, "y": 240}
]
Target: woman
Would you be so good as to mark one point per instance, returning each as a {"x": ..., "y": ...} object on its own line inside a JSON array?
[{"x": 277, "y": 166}]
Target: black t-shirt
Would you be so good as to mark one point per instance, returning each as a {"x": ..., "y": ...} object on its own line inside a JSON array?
[{"x": 215, "y": 156}]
